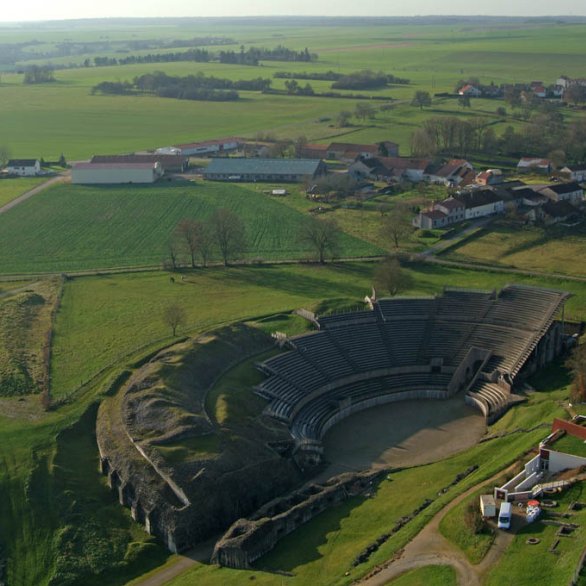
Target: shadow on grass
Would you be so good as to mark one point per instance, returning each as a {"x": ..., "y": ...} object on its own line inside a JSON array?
[
  {"x": 315, "y": 282},
  {"x": 552, "y": 377},
  {"x": 303, "y": 545}
]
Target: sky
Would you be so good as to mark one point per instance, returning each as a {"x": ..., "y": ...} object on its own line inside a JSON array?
[{"x": 67, "y": 9}]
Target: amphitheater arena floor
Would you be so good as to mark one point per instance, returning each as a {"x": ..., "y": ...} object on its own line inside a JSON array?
[{"x": 407, "y": 433}]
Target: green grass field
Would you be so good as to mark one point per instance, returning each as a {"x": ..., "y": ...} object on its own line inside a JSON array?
[
  {"x": 48, "y": 120},
  {"x": 80, "y": 227},
  {"x": 11, "y": 188},
  {"x": 427, "y": 576},
  {"x": 551, "y": 249}
]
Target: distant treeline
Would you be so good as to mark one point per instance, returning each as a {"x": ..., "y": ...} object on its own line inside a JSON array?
[
  {"x": 358, "y": 80},
  {"x": 252, "y": 56},
  {"x": 190, "y": 87}
]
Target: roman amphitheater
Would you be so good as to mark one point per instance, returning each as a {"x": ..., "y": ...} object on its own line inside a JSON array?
[{"x": 190, "y": 463}]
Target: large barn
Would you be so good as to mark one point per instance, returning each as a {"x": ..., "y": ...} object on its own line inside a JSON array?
[
  {"x": 277, "y": 170},
  {"x": 115, "y": 173}
]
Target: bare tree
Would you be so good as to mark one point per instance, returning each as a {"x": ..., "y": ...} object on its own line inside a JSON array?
[
  {"x": 396, "y": 226},
  {"x": 343, "y": 118},
  {"x": 364, "y": 111},
  {"x": 390, "y": 277},
  {"x": 577, "y": 365},
  {"x": 174, "y": 316},
  {"x": 322, "y": 236},
  {"x": 421, "y": 98},
  {"x": 4, "y": 155},
  {"x": 172, "y": 259},
  {"x": 196, "y": 238},
  {"x": 229, "y": 234}
]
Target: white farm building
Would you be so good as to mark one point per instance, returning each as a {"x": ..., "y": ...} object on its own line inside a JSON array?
[
  {"x": 113, "y": 173},
  {"x": 23, "y": 167}
]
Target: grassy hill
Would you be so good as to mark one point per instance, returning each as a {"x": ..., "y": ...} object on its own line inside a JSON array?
[{"x": 78, "y": 227}]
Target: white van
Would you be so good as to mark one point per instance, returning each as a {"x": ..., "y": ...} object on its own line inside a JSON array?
[{"x": 505, "y": 513}]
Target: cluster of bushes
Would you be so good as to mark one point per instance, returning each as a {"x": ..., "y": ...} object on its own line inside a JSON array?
[
  {"x": 190, "y": 87},
  {"x": 315, "y": 76}
]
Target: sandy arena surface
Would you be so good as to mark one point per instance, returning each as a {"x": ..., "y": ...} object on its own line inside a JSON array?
[{"x": 407, "y": 433}]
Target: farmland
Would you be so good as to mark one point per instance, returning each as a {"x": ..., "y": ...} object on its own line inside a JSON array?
[
  {"x": 59, "y": 117},
  {"x": 79, "y": 228},
  {"x": 11, "y": 188}
]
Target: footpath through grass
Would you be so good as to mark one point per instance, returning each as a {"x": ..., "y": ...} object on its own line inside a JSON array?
[{"x": 12, "y": 188}]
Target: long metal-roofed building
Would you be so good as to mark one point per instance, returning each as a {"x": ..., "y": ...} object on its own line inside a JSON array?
[
  {"x": 115, "y": 173},
  {"x": 280, "y": 170}
]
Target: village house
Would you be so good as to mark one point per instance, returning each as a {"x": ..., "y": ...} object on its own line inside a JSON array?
[
  {"x": 553, "y": 212},
  {"x": 574, "y": 173},
  {"x": 390, "y": 168},
  {"x": 489, "y": 177},
  {"x": 115, "y": 173},
  {"x": 23, "y": 167},
  {"x": 534, "y": 165},
  {"x": 481, "y": 202},
  {"x": 571, "y": 192},
  {"x": 470, "y": 91},
  {"x": 169, "y": 163},
  {"x": 277, "y": 170},
  {"x": 456, "y": 172},
  {"x": 314, "y": 151}
]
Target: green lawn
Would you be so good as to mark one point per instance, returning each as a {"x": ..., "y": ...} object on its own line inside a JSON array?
[
  {"x": 11, "y": 188},
  {"x": 526, "y": 565},
  {"x": 552, "y": 249},
  {"x": 427, "y": 576},
  {"x": 105, "y": 318},
  {"x": 78, "y": 227}
]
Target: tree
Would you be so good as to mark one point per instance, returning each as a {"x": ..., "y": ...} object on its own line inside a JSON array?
[
  {"x": 300, "y": 143},
  {"x": 343, "y": 118},
  {"x": 172, "y": 254},
  {"x": 195, "y": 237},
  {"x": 389, "y": 276},
  {"x": 322, "y": 236},
  {"x": 421, "y": 99},
  {"x": 292, "y": 86},
  {"x": 397, "y": 225},
  {"x": 577, "y": 365},
  {"x": 575, "y": 93},
  {"x": 501, "y": 111},
  {"x": 473, "y": 519},
  {"x": 364, "y": 111},
  {"x": 423, "y": 144},
  {"x": 174, "y": 316},
  {"x": 465, "y": 102},
  {"x": 4, "y": 155},
  {"x": 229, "y": 234}
]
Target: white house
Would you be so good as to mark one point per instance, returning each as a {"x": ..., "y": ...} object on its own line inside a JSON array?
[
  {"x": 115, "y": 173},
  {"x": 534, "y": 165},
  {"x": 574, "y": 174},
  {"x": 470, "y": 90},
  {"x": 24, "y": 167},
  {"x": 571, "y": 192},
  {"x": 481, "y": 202}
]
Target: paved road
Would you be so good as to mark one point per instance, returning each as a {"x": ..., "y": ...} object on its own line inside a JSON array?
[
  {"x": 430, "y": 547},
  {"x": 28, "y": 194}
]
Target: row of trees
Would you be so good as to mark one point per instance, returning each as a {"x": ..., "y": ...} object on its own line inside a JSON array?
[
  {"x": 366, "y": 79},
  {"x": 190, "y": 87},
  {"x": 39, "y": 74}
]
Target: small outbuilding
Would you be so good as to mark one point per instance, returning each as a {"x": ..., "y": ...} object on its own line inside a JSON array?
[
  {"x": 487, "y": 506},
  {"x": 115, "y": 173}
]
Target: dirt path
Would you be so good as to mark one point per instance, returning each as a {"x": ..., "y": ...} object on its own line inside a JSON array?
[
  {"x": 202, "y": 554},
  {"x": 28, "y": 194},
  {"x": 430, "y": 547}
]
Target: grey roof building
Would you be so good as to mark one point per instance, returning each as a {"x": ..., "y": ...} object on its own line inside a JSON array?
[{"x": 241, "y": 169}]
